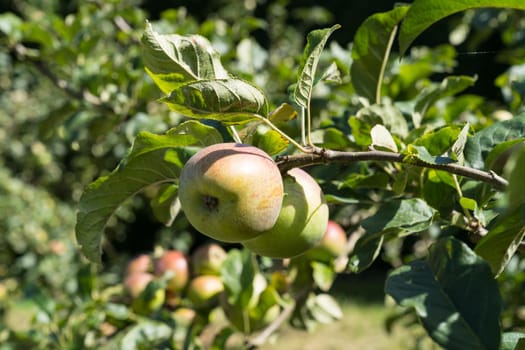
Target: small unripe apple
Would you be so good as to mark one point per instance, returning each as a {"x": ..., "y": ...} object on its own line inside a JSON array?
[
  {"x": 204, "y": 291},
  {"x": 183, "y": 316},
  {"x": 151, "y": 299},
  {"x": 208, "y": 259},
  {"x": 332, "y": 245},
  {"x": 175, "y": 263},
  {"x": 136, "y": 282},
  {"x": 140, "y": 263},
  {"x": 231, "y": 192},
  {"x": 302, "y": 221}
]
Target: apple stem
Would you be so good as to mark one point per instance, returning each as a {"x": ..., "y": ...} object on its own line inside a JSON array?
[
  {"x": 258, "y": 340},
  {"x": 235, "y": 134},
  {"x": 283, "y": 134}
]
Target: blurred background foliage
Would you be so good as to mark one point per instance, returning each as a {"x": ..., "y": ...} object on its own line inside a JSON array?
[{"x": 74, "y": 93}]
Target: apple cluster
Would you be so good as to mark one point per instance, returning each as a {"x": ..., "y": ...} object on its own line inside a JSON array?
[
  {"x": 235, "y": 193},
  {"x": 190, "y": 287},
  {"x": 165, "y": 281}
]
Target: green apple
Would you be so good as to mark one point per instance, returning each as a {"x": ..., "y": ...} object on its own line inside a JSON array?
[
  {"x": 204, "y": 291},
  {"x": 207, "y": 259},
  {"x": 175, "y": 263},
  {"x": 302, "y": 221},
  {"x": 231, "y": 192},
  {"x": 332, "y": 245}
]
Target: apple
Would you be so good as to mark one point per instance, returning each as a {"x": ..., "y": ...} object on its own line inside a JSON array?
[
  {"x": 332, "y": 245},
  {"x": 136, "y": 282},
  {"x": 231, "y": 192},
  {"x": 140, "y": 263},
  {"x": 204, "y": 291},
  {"x": 183, "y": 316},
  {"x": 151, "y": 299},
  {"x": 175, "y": 263},
  {"x": 207, "y": 259},
  {"x": 302, "y": 221}
]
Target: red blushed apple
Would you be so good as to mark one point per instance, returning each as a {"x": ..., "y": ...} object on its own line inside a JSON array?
[
  {"x": 332, "y": 245},
  {"x": 208, "y": 259},
  {"x": 204, "y": 291},
  {"x": 175, "y": 263},
  {"x": 136, "y": 282},
  {"x": 140, "y": 263},
  {"x": 231, "y": 192},
  {"x": 302, "y": 220}
]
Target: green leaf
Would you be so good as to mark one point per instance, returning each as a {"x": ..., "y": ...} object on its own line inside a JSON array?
[
  {"x": 231, "y": 101},
  {"x": 154, "y": 159},
  {"x": 382, "y": 139},
  {"x": 220, "y": 339},
  {"x": 172, "y": 60},
  {"x": 438, "y": 141},
  {"x": 394, "y": 218},
  {"x": 456, "y": 152},
  {"x": 323, "y": 274},
  {"x": 238, "y": 273},
  {"x": 468, "y": 203},
  {"x": 450, "y": 86},
  {"x": 453, "y": 293},
  {"x": 370, "y": 51},
  {"x": 422, "y": 154},
  {"x": 423, "y": 13},
  {"x": 316, "y": 41},
  {"x": 516, "y": 169},
  {"x": 331, "y": 138},
  {"x": 147, "y": 333},
  {"x": 512, "y": 340},
  {"x": 165, "y": 204},
  {"x": 271, "y": 142},
  {"x": 282, "y": 114},
  {"x": 324, "y": 308},
  {"x": 365, "y": 253},
  {"x": 404, "y": 216},
  {"x": 481, "y": 143},
  {"x": 502, "y": 240},
  {"x": 386, "y": 114}
]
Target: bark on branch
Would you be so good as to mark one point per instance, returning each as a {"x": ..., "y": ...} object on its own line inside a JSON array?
[{"x": 323, "y": 156}]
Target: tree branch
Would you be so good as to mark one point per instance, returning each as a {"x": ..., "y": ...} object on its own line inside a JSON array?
[
  {"x": 324, "y": 156},
  {"x": 261, "y": 338}
]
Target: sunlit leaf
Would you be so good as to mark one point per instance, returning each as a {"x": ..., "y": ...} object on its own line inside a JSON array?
[
  {"x": 512, "y": 341},
  {"x": 370, "y": 51},
  {"x": 154, "y": 159},
  {"x": 231, "y": 101},
  {"x": 282, "y": 113},
  {"x": 382, "y": 139},
  {"x": 422, "y": 154},
  {"x": 172, "y": 60},
  {"x": 316, "y": 41},
  {"x": 423, "y": 13},
  {"x": 438, "y": 141},
  {"x": 271, "y": 142}
]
